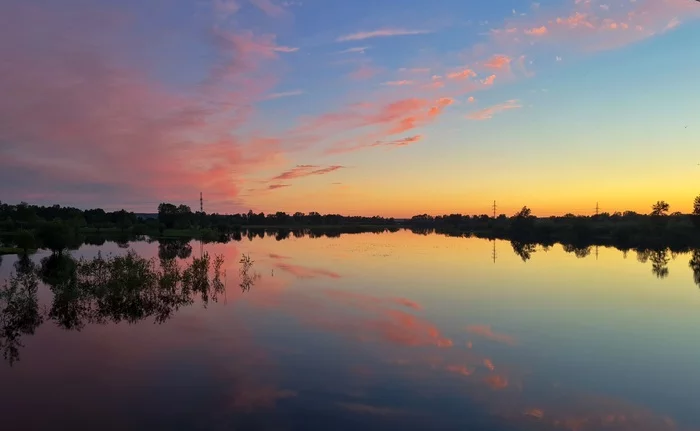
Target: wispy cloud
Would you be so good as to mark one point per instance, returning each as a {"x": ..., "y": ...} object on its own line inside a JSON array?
[
  {"x": 356, "y": 49},
  {"x": 398, "y": 83},
  {"x": 488, "y": 113},
  {"x": 398, "y": 142},
  {"x": 373, "y": 410},
  {"x": 277, "y": 186},
  {"x": 415, "y": 69},
  {"x": 365, "y": 71},
  {"x": 284, "y": 94},
  {"x": 285, "y": 49},
  {"x": 268, "y": 7},
  {"x": 226, "y": 8},
  {"x": 301, "y": 171},
  {"x": 403, "y": 142},
  {"x": 386, "y": 32}
]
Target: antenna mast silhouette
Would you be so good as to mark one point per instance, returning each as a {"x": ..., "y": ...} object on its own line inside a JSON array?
[
  {"x": 201, "y": 203},
  {"x": 494, "y": 209},
  {"x": 597, "y": 208}
]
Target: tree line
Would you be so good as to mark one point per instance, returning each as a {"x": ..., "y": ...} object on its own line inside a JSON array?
[{"x": 24, "y": 227}]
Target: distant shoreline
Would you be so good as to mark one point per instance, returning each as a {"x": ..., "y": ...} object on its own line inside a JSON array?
[{"x": 26, "y": 227}]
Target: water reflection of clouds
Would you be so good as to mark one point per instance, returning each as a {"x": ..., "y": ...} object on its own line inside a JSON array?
[
  {"x": 500, "y": 389},
  {"x": 398, "y": 327},
  {"x": 300, "y": 271},
  {"x": 485, "y": 331}
]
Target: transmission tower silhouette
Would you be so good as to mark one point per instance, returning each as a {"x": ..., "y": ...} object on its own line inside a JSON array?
[
  {"x": 494, "y": 209},
  {"x": 201, "y": 224},
  {"x": 597, "y": 208}
]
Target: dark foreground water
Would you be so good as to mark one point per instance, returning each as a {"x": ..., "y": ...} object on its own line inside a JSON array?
[{"x": 389, "y": 331}]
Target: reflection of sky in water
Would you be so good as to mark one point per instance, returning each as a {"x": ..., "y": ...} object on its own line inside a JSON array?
[{"x": 380, "y": 331}]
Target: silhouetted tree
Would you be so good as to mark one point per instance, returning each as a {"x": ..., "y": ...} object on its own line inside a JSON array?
[
  {"x": 525, "y": 212},
  {"x": 660, "y": 208},
  {"x": 696, "y": 211},
  {"x": 55, "y": 236},
  {"x": 522, "y": 221},
  {"x": 25, "y": 240}
]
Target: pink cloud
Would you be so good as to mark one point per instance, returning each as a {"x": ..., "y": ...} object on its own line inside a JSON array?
[
  {"x": 365, "y": 71},
  {"x": 489, "y": 80},
  {"x": 498, "y": 61},
  {"x": 403, "y": 142},
  {"x": 537, "y": 31},
  {"x": 399, "y": 142},
  {"x": 380, "y": 33},
  {"x": 277, "y": 186},
  {"x": 374, "y": 122},
  {"x": 587, "y": 27},
  {"x": 460, "y": 369},
  {"x": 301, "y": 171},
  {"x": 577, "y": 19},
  {"x": 462, "y": 74},
  {"x": 496, "y": 382},
  {"x": 488, "y": 113},
  {"x": 471, "y": 99},
  {"x": 71, "y": 95}
]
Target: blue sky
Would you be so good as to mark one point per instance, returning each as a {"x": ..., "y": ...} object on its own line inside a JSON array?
[{"x": 368, "y": 107}]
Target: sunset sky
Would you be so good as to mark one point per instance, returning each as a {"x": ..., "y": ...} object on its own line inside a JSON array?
[{"x": 358, "y": 107}]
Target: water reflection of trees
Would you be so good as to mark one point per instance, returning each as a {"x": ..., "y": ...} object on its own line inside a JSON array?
[
  {"x": 172, "y": 248},
  {"x": 695, "y": 266},
  {"x": 659, "y": 258},
  {"x": 523, "y": 249},
  {"x": 101, "y": 290},
  {"x": 578, "y": 251},
  {"x": 659, "y": 263},
  {"x": 247, "y": 279},
  {"x": 19, "y": 308}
]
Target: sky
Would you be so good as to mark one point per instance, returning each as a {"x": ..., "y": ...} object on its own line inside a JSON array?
[{"x": 362, "y": 107}]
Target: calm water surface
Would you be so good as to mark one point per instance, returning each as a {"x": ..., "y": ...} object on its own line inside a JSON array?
[{"x": 382, "y": 331}]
